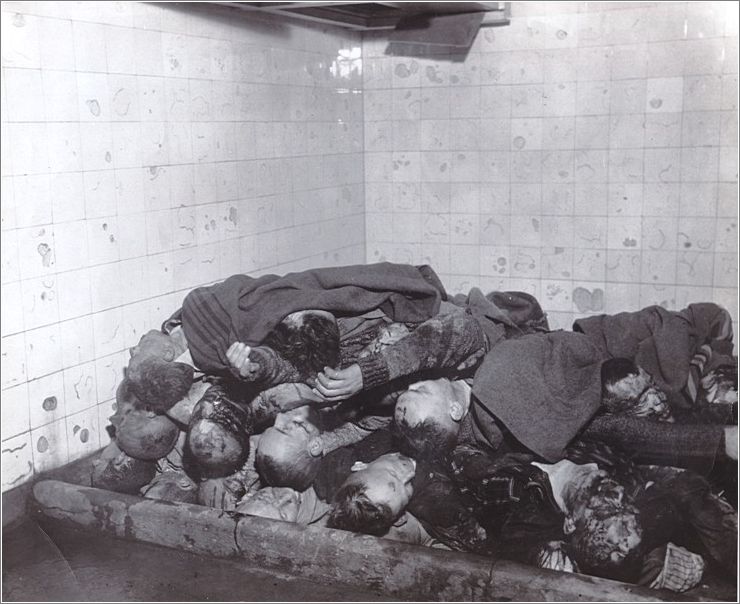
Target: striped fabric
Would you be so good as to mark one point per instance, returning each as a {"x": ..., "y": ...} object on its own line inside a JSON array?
[{"x": 719, "y": 337}]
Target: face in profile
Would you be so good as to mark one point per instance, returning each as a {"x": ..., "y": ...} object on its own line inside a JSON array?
[
  {"x": 291, "y": 433},
  {"x": 425, "y": 400},
  {"x": 277, "y": 503},
  {"x": 387, "y": 480}
]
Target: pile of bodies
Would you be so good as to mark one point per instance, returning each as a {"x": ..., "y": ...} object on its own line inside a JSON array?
[{"x": 364, "y": 398}]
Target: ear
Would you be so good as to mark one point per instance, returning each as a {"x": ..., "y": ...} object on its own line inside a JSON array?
[
  {"x": 316, "y": 446},
  {"x": 569, "y": 525},
  {"x": 456, "y": 411},
  {"x": 358, "y": 465},
  {"x": 169, "y": 354}
]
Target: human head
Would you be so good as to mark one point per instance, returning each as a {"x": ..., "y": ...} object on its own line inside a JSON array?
[
  {"x": 604, "y": 526},
  {"x": 157, "y": 381},
  {"x": 140, "y": 433},
  {"x": 630, "y": 390},
  {"x": 374, "y": 495},
  {"x": 218, "y": 434},
  {"x": 289, "y": 452},
  {"x": 428, "y": 414},
  {"x": 719, "y": 385},
  {"x": 309, "y": 339}
]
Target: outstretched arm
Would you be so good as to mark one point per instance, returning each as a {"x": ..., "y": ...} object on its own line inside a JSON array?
[
  {"x": 681, "y": 445},
  {"x": 451, "y": 341}
]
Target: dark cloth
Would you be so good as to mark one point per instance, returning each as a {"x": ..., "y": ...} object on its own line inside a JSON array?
[
  {"x": 660, "y": 341},
  {"x": 246, "y": 309},
  {"x": 336, "y": 466},
  {"x": 543, "y": 387},
  {"x": 511, "y": 498},
  {"x": 695, "y": 447},
  {"x": 679, "y": 506},
  {"x": 436, "y": 502},
  {"x": 504, "y": 314}
]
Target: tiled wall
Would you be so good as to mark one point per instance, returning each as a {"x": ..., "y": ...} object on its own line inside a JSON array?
[
  {"x": 587, "y": 153},
  {"x": 147, "y": 149}
]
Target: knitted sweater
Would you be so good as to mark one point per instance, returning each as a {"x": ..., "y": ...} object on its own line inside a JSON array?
[{"x": 245, "y": 309}]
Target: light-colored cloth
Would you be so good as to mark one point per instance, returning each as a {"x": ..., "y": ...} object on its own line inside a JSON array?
[{"x": 681, "y": 569}]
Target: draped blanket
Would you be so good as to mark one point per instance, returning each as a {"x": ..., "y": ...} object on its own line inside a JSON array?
[{"x": 245, "y": 309}]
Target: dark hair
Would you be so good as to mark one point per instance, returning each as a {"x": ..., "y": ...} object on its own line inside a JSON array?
[
  {"x": 426, "y": 440},
  {"x": 297, "y": 474},
  {"x": 231, "y": 421},
  {"x": 613, "y": 370},
  {"x": 352, "y": 510},
  {"x": 158, "y": 385},
  {"x": 310, "y": 346}
]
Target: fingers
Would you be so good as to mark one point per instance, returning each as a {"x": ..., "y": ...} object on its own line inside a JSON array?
[{"x": 238, "y": 355}]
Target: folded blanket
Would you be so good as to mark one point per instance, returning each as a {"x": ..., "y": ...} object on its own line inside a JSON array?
[
  {"x": 245, "y": 309},
  {"x": 542, "y": 387},
  {"x": 662, "y": 342}
]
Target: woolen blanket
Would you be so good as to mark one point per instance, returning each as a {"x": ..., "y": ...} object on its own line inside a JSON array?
[{"x": 245, "y": 309}]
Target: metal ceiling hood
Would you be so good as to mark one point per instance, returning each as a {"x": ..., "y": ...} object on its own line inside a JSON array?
[{"x": 370, "y": 16}]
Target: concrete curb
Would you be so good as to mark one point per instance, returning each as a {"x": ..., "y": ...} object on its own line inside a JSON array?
[{"x": 400, "y": 570}]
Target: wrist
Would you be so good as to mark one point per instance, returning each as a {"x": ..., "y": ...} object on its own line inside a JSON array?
[{"x": 374, "y": 371}]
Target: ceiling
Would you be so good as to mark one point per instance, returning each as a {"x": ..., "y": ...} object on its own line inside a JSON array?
[{"x": 367, "y": 16}]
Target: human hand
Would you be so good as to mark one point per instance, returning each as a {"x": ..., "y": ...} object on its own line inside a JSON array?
[
  {"x": 731, "y": 442},
  {"x": 238, "y": 356},
  {"x": 339, "y": 384}
]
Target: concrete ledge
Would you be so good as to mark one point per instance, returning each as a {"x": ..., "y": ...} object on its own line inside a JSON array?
[{"x": 400, "y": 570}]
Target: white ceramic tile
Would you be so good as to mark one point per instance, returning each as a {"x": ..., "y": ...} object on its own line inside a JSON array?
[
  {"x": 97, "y": 146},
  {"x": 73, "y": 290},
  {"x": 20, "y": 47},
  {"x": 56, "y": 44},
  {"x": 15, "y": 412},
  {"x": 43, "y": 351},
  {"x": 147, "y": 52},
  {"x": 83, "y": 433},
  {"x": 46, "y": 399},
  {"x": 106, "y": 286},
  {"x": 79, "y": 387},
  {"x": 60, "y": 95},
  {"x": 33, "y": 200},
  {"x": 77, "y": 341},
  {"x": 664, "y": 95},
  {"x": 64, "y": 146},
  {"x": 24, "y": 95},
  {"x": 36, "y": 251},
  {"x": 93, "y": 97},
  {"x": 124, "y": 97},
  {"x": 101, "y": 240},
  {"x": 124, "y": 142},
  {"x": 17, "y": 461},
  {"x": 49, "y": 446},
  {"x": 70, "y": 245},
  {"x": 30, "y": 155},
  {"x": 100, "y": 197},
  {"x": 694, "y": 268},
  {"x": 40, "y": 302}
]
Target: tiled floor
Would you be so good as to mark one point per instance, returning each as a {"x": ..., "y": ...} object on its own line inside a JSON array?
[{"x": 61, "y": 565}]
